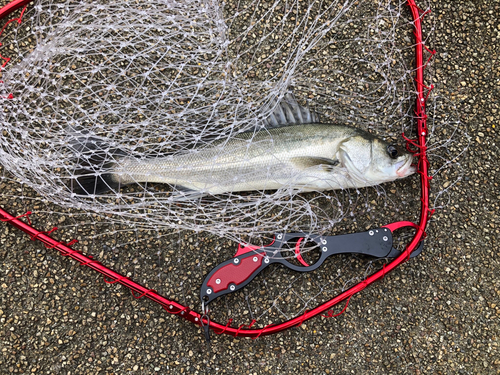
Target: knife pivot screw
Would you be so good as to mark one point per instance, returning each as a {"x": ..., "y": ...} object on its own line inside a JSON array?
[
  {"x": 217, "y": 281},
  {"x": 266, "y": 260},
  {"x": 255, "y": 259},
  {"x": 209, "y": 291},
  {"x": 232, "y": 287},
  {"x": 236, "y": 260},
  {"x": 385, "y": 238},
  {"x": 370, "y": 233}
]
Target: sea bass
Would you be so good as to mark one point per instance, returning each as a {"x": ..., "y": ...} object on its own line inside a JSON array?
[{"x": 295, "y": 151}]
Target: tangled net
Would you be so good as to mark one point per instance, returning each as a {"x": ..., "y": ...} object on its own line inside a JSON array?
[{"x": 168, "y": 77}]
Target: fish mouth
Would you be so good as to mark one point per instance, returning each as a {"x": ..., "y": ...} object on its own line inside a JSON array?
[{"x": 406, "y": 168}]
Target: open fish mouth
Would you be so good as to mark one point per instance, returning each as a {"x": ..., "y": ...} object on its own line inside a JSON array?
[{"x": 407, "y": 168}]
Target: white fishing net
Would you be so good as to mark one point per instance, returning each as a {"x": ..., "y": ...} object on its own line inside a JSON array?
[{"x": 159, "y": 78}]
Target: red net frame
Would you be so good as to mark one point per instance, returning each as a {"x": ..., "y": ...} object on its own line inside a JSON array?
[{"x": 417, "y": 146}]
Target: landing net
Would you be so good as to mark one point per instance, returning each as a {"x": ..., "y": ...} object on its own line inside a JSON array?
[{"x": 159, "y": 78}]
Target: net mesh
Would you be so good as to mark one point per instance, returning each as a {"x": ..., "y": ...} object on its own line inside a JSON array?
[{"x": 167, "y": 78}]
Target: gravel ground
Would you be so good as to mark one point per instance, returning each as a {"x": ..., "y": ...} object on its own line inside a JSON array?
[{"x": 438, "y": 313}]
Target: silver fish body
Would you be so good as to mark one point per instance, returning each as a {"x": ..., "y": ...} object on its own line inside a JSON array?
[
  {"x": 301, "y": 157},
  {"x": 306, "y": 157}
]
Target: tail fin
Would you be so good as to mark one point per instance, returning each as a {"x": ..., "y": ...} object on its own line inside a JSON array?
[{"x": 95, "y": 162}]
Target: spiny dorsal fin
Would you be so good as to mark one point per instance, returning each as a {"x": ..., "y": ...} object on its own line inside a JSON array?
[{"x": 289, "y": 112}]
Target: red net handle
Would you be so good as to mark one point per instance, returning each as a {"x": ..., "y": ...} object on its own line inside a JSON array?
[
  {"x": 12, "y": 6},
  {"x": 173, "y": 307}
]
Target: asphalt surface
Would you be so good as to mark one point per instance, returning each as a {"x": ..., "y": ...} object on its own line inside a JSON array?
[{"x": 438, "y": 313}]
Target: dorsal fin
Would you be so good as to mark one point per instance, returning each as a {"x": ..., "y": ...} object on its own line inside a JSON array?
[{"x": 289, "y": 112}]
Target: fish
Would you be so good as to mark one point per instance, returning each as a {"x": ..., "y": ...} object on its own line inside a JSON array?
[{"x": 292, "y": 149}]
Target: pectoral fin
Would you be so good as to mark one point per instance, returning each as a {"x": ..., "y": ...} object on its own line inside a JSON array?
[{"x": 304, "y": 162}]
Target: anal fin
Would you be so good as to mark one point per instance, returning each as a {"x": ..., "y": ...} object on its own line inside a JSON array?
[{"x": 184, "y": 193}]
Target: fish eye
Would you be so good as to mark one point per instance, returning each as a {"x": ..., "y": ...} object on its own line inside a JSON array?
[{"x": 392, "y": 151}]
